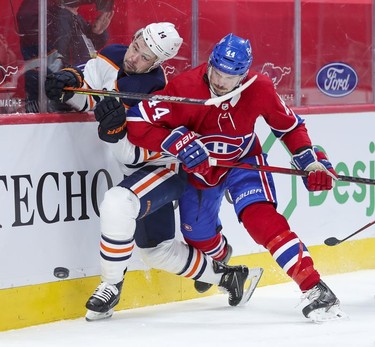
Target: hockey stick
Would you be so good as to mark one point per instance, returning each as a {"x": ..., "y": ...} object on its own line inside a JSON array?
[
  {"x": 332, "y": 241},
  {"x": 282, "y": 170},
  {"x": 168, "y": 98}
]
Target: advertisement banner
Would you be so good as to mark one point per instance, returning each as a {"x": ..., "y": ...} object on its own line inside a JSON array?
[{"x": 53, "y": 178}]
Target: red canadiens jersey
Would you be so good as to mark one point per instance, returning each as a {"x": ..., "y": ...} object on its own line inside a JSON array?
[{"x": 227, "y": 129}]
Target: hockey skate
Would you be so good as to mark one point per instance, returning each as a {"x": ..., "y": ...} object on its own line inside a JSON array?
[
  {"x": 239, "y": 281},
  {"x": 101, "y": 304},
  {"x": 324, "y": 305},
  {"x": 202, "y": 287}
]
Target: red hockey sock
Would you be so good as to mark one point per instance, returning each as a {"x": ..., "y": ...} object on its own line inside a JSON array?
[
  {"x": 215, "y": 247},
  {"x": 271, "y": 230}
]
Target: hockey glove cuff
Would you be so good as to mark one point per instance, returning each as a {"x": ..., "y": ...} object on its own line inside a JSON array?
[
  {"x": 321, "y": 172},
  {"x": 186, "y": 147},
  {"x": 111, "y": 115}
]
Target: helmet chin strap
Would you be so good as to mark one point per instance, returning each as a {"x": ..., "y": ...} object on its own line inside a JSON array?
[{"x": 155, "y": 65}]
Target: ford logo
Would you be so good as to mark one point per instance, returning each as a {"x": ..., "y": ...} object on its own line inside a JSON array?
[{"x": 336, "y": 79}]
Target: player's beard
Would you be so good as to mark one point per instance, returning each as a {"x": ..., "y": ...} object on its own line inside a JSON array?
[
  {"x": 129, "y": 68},
  {"x": 218, "y": 90}
]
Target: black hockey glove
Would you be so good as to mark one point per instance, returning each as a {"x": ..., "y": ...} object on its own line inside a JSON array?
[
  {"x": 56, "y": 82},
  {"x": 111, "y": 116}
]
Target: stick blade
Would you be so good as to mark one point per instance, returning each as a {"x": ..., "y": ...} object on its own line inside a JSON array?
[
  {"x": 331, "y": 241},
  {"x": 225, "y": 97}
]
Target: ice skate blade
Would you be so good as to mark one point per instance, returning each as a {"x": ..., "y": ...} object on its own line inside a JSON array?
[
  {"x": 334, "y": 313},
  {"x": 93, "y": 316},
  {"x": 254, "y": 277}
]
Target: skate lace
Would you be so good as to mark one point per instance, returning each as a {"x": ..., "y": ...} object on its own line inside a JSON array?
[
  {"x": 312, "y": 294},
  {"x": 105, "y": 292}
]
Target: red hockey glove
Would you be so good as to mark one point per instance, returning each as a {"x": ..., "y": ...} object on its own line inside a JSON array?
[
  {"x": 185, "y": 146},
  {"x": 321, "y": 172}
]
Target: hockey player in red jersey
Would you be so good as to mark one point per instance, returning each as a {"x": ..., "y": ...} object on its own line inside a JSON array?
[
  {"x": 139, "y": 210},
  {"x": 196, "y": 133}
]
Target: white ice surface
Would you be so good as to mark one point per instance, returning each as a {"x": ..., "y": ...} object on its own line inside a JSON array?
[{"x": 271, "y": 318}]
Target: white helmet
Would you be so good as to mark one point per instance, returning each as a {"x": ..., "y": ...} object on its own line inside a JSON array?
[{"x": 163, "y": 40}]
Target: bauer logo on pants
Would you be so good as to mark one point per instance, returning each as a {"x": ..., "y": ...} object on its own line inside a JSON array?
[{"x": 336, "y": 79}]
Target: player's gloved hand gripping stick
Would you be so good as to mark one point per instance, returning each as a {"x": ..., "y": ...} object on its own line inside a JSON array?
[
  {"x": 56, "y": 82},
  {"x": 320, "y": 170},
  {"x": 184, "y": 145}
]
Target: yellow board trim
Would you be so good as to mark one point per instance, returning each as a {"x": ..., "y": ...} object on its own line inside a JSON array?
[{"x": 65, "y": 299}]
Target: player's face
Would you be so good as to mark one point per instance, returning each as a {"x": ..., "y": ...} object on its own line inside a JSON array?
[
  {"x": 222, "y": 83},
  {"x": 138, "y": 58}
]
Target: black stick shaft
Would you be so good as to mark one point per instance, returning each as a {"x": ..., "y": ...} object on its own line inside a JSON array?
[
  {"x": 167, "y": 98},
  {"x": 333, "y": 241},
  {"x": 136, "y": 96},
  {"x": 358, "y": 231}
]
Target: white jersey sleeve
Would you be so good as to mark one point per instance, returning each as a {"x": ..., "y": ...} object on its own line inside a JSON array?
[
  {"x": 132, "y": 157},
  {"x": 98, "y": 74}
]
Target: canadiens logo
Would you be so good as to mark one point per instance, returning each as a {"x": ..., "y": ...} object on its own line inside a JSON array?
[
  {"x": 187, "y": 227},
  {"x": 227, "y": 148}
]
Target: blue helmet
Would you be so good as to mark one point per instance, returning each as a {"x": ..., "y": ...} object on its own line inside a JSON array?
[{"x": 232, "y": 55}]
